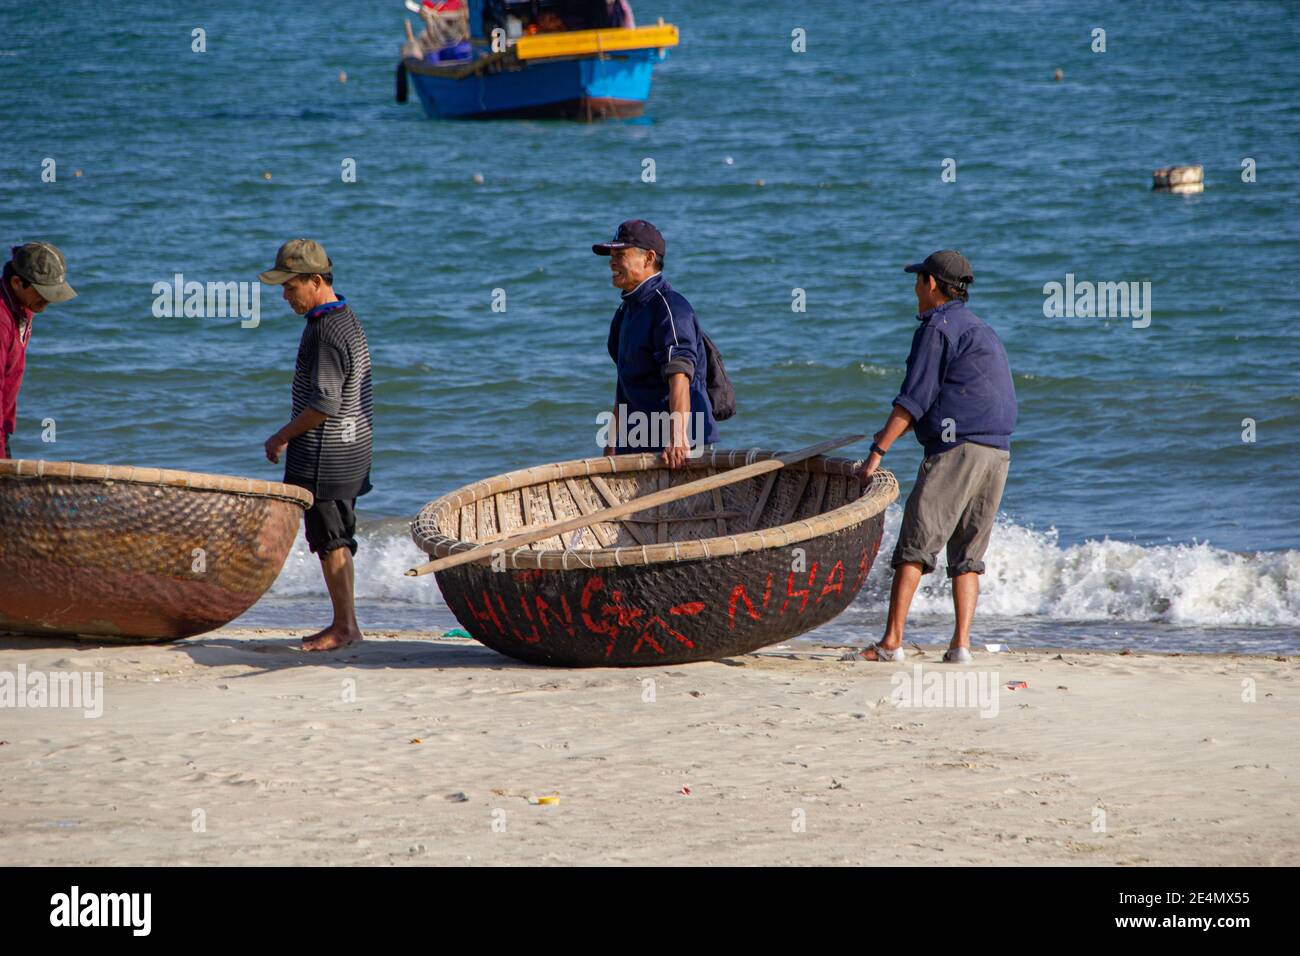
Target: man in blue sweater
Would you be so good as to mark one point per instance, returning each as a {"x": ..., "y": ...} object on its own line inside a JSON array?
[{"x": 959, "y": 397}]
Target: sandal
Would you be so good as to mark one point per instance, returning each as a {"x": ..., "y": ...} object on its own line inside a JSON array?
[{"x": 886, "y": 655}]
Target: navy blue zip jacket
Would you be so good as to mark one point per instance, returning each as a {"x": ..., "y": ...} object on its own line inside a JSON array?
[
  {"x": 958, "y": 370},
  {"x": 655, "y": 334}
]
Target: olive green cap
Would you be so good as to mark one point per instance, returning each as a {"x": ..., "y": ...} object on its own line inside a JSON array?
[
  {"x": 297, "y": 257},
  {"x": 43, "y": 266}
]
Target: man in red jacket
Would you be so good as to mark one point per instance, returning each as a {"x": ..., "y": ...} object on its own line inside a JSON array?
[{"x": 36, "y": 276}]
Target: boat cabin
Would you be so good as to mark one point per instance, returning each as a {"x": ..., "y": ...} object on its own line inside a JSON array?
[{"x": 519, "y": 18}]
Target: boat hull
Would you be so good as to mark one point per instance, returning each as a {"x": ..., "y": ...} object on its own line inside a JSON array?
[
  {"x": 587, "y": 88},
  {"x": 663, "y": 613},
  {"x": 115, "y": 560}
]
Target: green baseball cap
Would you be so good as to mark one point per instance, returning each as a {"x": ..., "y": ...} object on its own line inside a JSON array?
[
  {"x": 297, "y": 257},
  {"x": 43, "y": 266}
]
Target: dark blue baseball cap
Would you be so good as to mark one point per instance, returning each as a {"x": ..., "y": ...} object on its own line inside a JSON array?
[
  {"x": 946, "y": 265},
  {"x": 633, "y": 234}
]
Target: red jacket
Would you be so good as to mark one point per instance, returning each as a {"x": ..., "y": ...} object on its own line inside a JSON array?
[{"x": 15, "y": 333}]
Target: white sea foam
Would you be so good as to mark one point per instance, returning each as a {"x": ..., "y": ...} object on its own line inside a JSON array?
[
  {"x": 1030, "y": 574},
  {"x": 384, "y": 552}
]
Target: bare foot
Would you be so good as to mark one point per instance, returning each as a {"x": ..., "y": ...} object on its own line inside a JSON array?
[{"x": 331, "y": 639}]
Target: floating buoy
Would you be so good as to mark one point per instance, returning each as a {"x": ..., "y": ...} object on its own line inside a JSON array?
[
  {"x": 760, "y": 182},
  {"x": 1179, "y": 179},
  {"x": 266, "y": 174},
  {"x": 343, "y": 76},
  {"x": 1058, "y": 75},
  {"x": 478, "y": 179},
  {"x": 76, "y": 174}
]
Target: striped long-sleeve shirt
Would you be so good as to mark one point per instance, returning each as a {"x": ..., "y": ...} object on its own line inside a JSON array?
[{"x": 332, "y": 375}]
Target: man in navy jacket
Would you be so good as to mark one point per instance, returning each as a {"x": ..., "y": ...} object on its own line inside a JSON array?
[
  {"x": 959, "y": 397},
  {"x": 661, "y": 400}
]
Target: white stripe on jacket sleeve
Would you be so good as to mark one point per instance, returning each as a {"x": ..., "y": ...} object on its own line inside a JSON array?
[{"x": 671, "y": 322}]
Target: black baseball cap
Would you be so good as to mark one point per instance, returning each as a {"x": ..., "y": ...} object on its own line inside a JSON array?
[
  {"x": 946, "y": 265},
  {"x": 633, "y": 234}
]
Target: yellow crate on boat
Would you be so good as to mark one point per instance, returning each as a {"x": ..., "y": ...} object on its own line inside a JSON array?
[{"x": 591, "y": 42}]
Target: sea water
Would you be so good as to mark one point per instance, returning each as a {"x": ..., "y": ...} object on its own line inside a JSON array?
[{"x": 1152, "y": 498}]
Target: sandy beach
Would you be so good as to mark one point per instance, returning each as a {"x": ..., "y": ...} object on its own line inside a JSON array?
[{"x": 237, "y": 748}]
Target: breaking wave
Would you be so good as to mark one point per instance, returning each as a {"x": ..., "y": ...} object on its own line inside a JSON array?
[{"x": 1030, "y": 574}]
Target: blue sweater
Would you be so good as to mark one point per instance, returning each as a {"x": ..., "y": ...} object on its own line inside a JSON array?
[
  {"x": 958, "y": 370},
  {"x": 655, "y": 334}
]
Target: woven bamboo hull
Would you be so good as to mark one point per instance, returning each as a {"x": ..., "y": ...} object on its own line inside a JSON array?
[
  {"x": 790, "y": 554},
  {"x": 128, "y": 554},
  {"x": 661, "y": 613}
]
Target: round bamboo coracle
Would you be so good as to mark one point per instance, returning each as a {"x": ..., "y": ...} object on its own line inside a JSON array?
[
  {"x": 719, "y": 573},
  {"x": 113, "y": 552}
]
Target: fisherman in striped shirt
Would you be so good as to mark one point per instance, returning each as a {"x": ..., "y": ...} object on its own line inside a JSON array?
[{"x": 328, "y": 440}]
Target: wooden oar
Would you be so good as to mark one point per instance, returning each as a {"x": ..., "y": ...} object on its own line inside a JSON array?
[{"x": 655, "y": 498}]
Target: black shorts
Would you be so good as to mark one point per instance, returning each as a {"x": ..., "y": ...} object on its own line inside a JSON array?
[{"x": 331, "y": 524}]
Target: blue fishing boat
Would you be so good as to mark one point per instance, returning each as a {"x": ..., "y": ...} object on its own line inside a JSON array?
[{"x": 567, "y": 59}]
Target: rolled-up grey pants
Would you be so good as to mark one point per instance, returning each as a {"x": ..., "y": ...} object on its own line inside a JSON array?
[{"x": 953, "y": 504}]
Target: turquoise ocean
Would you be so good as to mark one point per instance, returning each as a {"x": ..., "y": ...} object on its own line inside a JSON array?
[{"x": 1154, "y": 494}]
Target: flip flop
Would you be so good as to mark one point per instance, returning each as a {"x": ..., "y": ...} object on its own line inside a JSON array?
[{"x": 957, "y": 655}]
